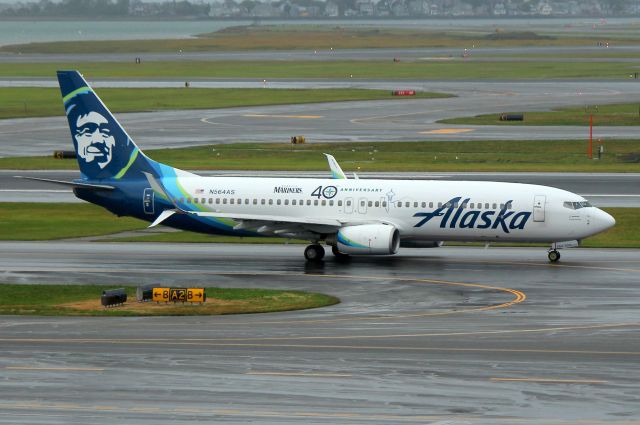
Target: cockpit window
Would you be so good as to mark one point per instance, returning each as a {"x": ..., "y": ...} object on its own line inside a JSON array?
[{"x": 577, "y": 205}]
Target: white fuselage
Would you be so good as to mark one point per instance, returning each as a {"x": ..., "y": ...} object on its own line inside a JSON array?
[{"x": 421, "y": 210}]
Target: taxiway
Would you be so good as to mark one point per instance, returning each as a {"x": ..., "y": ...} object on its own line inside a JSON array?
[{"x": 450, "y": 335}]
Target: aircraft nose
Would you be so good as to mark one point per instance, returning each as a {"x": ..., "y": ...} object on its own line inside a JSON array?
[{"x": 604, "y": 221}]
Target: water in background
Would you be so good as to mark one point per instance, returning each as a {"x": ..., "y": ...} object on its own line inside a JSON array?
[{"x": 35, "y": 31}]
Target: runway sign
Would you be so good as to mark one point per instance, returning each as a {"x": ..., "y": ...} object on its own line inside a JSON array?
[{"x": 189, "y": 295}]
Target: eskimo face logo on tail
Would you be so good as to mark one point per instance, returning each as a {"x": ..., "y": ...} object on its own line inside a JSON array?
[
  {"x": 454, "y": 214},
  {"x": 94, "y": 138}
]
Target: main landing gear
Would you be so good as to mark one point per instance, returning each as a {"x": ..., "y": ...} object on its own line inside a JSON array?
[
  {"x": 339, "y": 255},
  {"x": 314, "y": 252}
]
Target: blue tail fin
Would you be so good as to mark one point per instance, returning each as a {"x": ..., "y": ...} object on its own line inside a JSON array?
[{"x": 104, "y": 149}]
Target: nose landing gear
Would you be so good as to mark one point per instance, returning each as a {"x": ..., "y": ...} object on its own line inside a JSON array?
[{"x": 554, "y": 255}]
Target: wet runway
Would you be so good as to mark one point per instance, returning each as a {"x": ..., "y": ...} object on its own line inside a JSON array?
[
  {"x": 450, "y": 335},
  {"x": 383, "y": 120},
  {"x": 602, "y": 189}
]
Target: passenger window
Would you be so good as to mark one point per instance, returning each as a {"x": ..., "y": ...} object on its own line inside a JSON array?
[
  {"x": 339, "y": 203},
  {"x": 246, "y": 201},
  {"x": 255, "y": 201},
  {"x": 203, "y": 200},
  {"x": 278, "y": 202},
  {"x": 262, "y": 202},
  {"x": 501, "y": 206},
  {"x": 315, "y": 202},
  {"x": 195, "y": 200},
  {"x": 188, "y": 200},
  {"x": 471, "y": 205},
  {"x": 239, "y": 201},
  {"x": 384, "y": 204},
  {"x": 182, "y": 200},
  {"x": 331, "y": 203},
  {"x": 324, "y": 202},
  {"x": 217, "y": 200},
  {"x": 377, "y": 204},
  {"x": 424, "y": 205},
  {"x": 286, "y": 202},
  {"x": 495, "y": 206},
  {"x": 308, "y": 201},
  {"x": 270, "y": 201},
  {"x": 486, "y": 205},
  {"x": 415, "y": 205},
  {"x": 370, "y": 203},
  {"x": 430, "y": 204},
  {"x": 348, "y": 203},
  {"x": 399, "y": 204},
  {"x": 362, "y": 203},
  {"x": 440, "y": 204},
  {"x": 232, "y": 201},
  {"x": 293, "y": 202},
  {"x": 224, "y": 200}
]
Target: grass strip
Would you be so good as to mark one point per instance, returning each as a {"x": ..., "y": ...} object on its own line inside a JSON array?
[
  {"x": 84, "y": 300},
  {"x": 509, "y": 155},
  {"x": 46, "y": 221},
  {"x": 339, "y": 69},
  {"x": 20, "y": 102},
  {"x": 321, "y": 37},
  {"x": 618, "y": 114}
]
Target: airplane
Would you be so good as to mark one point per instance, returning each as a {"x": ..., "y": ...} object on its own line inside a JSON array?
[{"x": 352, "y": 216}]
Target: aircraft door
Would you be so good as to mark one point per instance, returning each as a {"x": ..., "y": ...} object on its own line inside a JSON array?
[
  {"x": 362, "y": 205},
  {"x": 539, "y": 202},
  {"x": 148, "y": 200},
  {"x": 348, "y": 205}
]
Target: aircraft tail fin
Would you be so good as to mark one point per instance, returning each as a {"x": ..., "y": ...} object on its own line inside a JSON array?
[{"x": 103, "y": 147}]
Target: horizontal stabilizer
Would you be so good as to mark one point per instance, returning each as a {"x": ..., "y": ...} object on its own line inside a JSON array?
[{"x": 72, "y": 184}]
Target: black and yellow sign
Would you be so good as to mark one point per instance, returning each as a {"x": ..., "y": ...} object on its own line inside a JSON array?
[
  {"x": 160, "y": 294},
  {"x": 196, "y": 295},
  {"x": 178, "y": 294},
  {"x": 190, "y": 295}
]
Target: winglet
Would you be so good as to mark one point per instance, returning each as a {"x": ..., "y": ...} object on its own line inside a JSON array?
[{"x": 336, "y": 171}]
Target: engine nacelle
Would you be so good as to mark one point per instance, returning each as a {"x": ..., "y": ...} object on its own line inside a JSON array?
[{"x": 373, "y": 239}]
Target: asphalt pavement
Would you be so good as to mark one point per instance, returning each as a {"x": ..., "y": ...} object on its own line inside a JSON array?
[{"x": 446, "y": 335}]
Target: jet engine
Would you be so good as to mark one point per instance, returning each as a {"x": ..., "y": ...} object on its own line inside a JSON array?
[{"x": 375, "y": 239}]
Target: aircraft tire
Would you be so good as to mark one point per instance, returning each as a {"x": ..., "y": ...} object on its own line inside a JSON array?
[
  {"x": 314, "y": 252},
  {"x": 554, "y": 256}
]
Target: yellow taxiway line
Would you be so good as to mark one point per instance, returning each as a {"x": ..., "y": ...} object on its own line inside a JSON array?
[
  {"x": 302, "y": 117},
  {"x": 447, "y": 131}
]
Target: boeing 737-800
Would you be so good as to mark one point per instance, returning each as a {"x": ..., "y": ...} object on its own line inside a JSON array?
[{"x": 353, "y": 216}]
